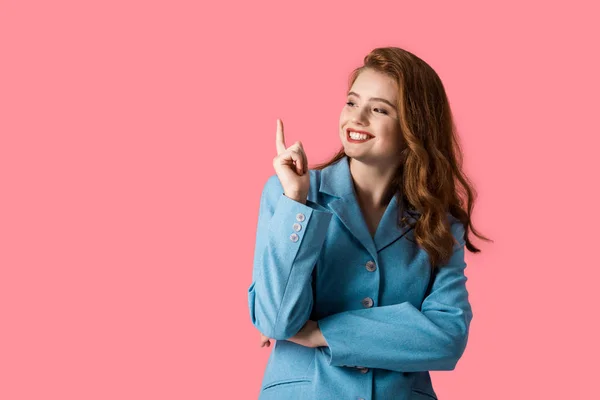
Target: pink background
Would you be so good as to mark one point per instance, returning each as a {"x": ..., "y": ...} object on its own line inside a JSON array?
[{"x": 136, "y": 137}]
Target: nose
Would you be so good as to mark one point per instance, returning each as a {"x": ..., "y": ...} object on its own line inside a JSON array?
[{"x": 359, "y": 117}]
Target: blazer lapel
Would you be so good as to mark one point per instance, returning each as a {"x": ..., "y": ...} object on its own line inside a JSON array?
[
  {"x": 336, "y": 180},
  {"x": 388, "y": 230}
]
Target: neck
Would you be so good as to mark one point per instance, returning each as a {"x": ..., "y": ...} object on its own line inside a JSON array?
[{"x": 372, "y": 182}]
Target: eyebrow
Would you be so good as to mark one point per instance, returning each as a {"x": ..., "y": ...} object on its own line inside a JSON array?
[{"x": 375, "y": 99}]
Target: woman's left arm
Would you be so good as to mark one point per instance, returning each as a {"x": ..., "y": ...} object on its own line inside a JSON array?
[{"x": 400, "y": 337}]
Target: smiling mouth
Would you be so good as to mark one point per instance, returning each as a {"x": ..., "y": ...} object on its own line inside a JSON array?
[{"x": 357, "y": 140}]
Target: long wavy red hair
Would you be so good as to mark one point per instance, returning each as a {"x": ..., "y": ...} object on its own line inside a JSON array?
[{"x": 430, "y": 179}]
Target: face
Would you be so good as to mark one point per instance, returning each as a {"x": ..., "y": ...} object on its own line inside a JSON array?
[{"x": 366, "y": 110}]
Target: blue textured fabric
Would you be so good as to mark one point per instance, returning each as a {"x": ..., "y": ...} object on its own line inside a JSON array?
[{"x": 385, "y": 325}]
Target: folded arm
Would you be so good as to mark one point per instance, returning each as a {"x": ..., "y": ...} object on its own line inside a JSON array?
[{"x": 400, "y": 337}]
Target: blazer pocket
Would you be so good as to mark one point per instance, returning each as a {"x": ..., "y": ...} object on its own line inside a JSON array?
[
  {"x": 421, "y": 395},
  {"x": 286, "y": 383},
  {"x": 305, "y": 379}
]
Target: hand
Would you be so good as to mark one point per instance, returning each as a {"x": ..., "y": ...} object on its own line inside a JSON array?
[
  {"x": 291, "y": 167},
  {"x": 264, "y": 341},
  {"x": 309, "y": 336}
]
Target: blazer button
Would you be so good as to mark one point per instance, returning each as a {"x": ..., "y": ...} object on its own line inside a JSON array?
[
  {"x": 367, "y": 302},
  {"x": 370, "y": 266},
  {"x": 294, "y": 237},
  {"x": 297, "y": 227},
  {"x": 363, "y": 370},
  {"x": 300, "y": 217}
]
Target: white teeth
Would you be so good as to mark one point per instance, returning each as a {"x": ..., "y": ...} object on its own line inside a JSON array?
[{"x": 358, "y": 136}]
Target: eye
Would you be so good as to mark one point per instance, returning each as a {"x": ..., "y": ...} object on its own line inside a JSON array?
[{"x": 381, "y": 110}]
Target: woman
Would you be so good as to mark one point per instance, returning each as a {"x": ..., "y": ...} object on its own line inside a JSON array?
[{"x": 359, "y": 263}]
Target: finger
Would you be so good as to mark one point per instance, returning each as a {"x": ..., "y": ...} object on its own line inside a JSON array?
[
  {"x": 298, "y": 160},
  {"x": 300, "y": 149},
  {"x": 304, "y": 157},
  {"x": 279, "y": 137},
  {"x": 291, "y": 157}
]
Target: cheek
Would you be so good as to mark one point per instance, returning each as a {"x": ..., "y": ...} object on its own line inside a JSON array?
[
  {"x": 342, "y": 122},
  {"x": 390, "y": 134}
]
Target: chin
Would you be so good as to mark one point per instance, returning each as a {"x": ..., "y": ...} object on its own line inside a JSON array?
[{"x": 362, "y": 156}]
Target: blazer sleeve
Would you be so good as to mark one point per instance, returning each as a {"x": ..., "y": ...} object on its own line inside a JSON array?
[
  {"x": 400, "y": 337},
  {"x": 280, "y": 297}
]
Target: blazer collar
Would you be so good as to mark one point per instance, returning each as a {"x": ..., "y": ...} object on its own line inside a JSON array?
[{"x": 336, "y": 180}]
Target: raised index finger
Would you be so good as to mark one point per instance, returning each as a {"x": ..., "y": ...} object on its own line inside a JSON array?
[{"x": 279, "y": 138}]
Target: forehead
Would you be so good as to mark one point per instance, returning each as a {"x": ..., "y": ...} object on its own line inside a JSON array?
[{"x": 375, "y": 84}]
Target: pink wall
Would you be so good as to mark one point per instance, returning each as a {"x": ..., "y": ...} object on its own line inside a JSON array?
[{"x": 135, "y": 138}]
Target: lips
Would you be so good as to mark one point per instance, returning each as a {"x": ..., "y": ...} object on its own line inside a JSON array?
[
  {"x": 357, "y": 131},
  {"x": 369, "y": 137}
]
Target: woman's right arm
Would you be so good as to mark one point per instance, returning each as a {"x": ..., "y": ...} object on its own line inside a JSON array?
[{"x": 289, "y": 238}]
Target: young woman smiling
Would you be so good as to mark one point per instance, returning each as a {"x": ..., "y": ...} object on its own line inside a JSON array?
[{"x": 359, "y": 262}]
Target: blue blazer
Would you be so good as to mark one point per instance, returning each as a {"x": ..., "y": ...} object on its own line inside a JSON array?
[{"x": 386, "y": 319}]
